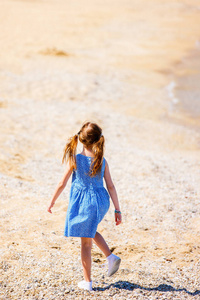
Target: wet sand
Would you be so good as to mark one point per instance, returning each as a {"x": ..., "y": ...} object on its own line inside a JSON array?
[
  {"x": 115, "y": 63},
  {"x": 187, "y": 88}
]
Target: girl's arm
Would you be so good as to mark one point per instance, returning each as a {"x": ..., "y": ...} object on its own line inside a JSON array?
[
  {"x": 113, "y": 194},
  {"x": 60, "y": 187}
]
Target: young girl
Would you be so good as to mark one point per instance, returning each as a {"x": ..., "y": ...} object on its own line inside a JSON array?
[{"x": 89, "y": 200}]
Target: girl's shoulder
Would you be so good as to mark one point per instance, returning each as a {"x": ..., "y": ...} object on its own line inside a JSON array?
[{"x": 105, "y": 161}]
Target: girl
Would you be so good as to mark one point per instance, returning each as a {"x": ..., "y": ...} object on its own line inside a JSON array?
[{"x": 89, "y": 200}]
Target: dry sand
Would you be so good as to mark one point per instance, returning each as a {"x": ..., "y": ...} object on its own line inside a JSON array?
[{"x": 113, "y": 62}]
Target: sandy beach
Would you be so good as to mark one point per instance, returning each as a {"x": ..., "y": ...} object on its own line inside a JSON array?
[{"x": 133, "y": 67}]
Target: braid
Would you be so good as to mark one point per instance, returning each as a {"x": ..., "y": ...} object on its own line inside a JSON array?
[{"x": 70, "y": 151}]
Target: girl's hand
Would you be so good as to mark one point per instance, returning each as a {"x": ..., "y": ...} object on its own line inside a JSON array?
[
  {"x": 118, "y": 218},
  {"x": 49, "y": 209},
  {"x": 60, "y": 187}
]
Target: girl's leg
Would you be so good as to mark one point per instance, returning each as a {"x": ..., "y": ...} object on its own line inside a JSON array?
[
  {"x": 101, "y": 243},
  {"x": 86, "y": 246},
  {"x": 113, "y": 260}
]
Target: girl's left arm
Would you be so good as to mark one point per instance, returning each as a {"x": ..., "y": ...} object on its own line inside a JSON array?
[
  {"x": 113, "y": 194},
  {"x": 60, "y": 187}
]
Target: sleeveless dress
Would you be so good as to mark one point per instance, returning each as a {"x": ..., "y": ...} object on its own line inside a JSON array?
[{"x": 89, "y": 200}]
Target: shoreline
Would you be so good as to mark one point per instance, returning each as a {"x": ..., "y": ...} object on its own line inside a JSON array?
[
  {"x": 183, "y": 91},
  {"x": 187, "y": 88}
]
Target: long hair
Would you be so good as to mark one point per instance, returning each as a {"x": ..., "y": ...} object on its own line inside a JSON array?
[
  {"x": 91, "y": 137},
  {"x": 70, "y": 151}
]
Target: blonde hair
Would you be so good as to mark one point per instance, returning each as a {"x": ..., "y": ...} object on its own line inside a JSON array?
[{"x": 90, "y": 135}]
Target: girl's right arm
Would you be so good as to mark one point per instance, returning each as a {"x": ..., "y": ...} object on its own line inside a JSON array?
[
  {"x": 60, "y": 187},
  {"x": 113, "y": 194}
]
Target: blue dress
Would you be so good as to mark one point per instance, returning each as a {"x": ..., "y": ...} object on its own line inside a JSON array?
[{"x": 89, "y": 200}]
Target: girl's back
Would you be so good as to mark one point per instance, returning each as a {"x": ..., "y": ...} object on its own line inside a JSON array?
[{"x": 81, "y": 174}]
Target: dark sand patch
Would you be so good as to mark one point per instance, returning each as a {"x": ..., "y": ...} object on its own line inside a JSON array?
[{"x": 54, "y": 52}]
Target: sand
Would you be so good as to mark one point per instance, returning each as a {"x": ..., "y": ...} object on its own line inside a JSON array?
[{"x": 115, "y": 63}]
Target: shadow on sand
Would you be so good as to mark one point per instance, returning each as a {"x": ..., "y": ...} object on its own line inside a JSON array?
[{"x": 126, "y": 285}]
